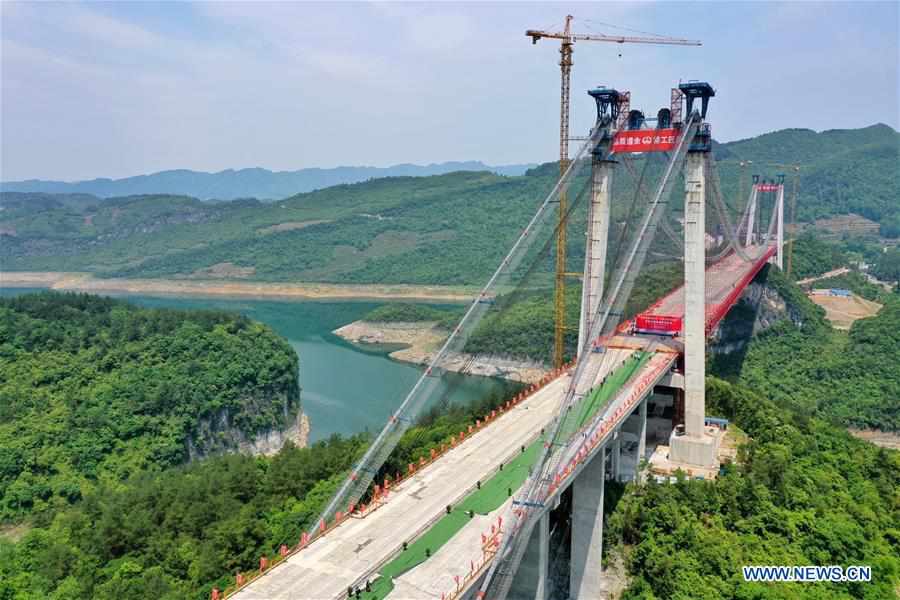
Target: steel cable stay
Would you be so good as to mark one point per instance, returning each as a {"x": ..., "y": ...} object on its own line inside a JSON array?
[
  {"x": 512, "y": 548},
  {"x": 745, "y": 218},
  {"x": 522, "y": 289},
  {"x": 507, "y": 300},
  {"x": 733, "y": 242},
  {"x": 666, "y": 226},
  {"x": 629, "y": 217},
  {"x": 363, "y": 473}
]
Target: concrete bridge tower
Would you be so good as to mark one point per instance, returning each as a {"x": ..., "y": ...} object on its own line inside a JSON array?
[
  {"x": 598, "y": 211},
  {"x": 692, "y": 445}
]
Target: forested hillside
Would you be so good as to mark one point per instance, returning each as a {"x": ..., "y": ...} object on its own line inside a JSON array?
[
  {"x": 850, "y": 378},
  {"x": 95, "y": 390},
  {"x": 445, "y": 229},
  {"x": 173, "y": 535},
  {"x": 804, "y": 493},
  {"x": 842, "y": 170}
]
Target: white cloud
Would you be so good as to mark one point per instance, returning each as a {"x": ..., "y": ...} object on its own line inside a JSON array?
[
  {"x": 109, "y": 31},
  {"x": 100, "y": 89}
]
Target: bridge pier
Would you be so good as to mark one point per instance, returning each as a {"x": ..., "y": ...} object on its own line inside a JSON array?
[
  {"x": 642, "y": 437},
  {"x": 586, "y": 572},
  {"x": 751, "y": 216},
  {"x": 616, "y": 455},
  {"x": 693, "y": 446},
  {"x": 532, "y": 577}
]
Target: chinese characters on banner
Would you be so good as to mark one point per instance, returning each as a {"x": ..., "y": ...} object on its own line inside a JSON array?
[
  {"x": 767, "y": 187},
  {"x": 645, "y": 140}
]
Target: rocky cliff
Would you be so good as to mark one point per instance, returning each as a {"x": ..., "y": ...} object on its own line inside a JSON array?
[{"x": 768, "y": 300}]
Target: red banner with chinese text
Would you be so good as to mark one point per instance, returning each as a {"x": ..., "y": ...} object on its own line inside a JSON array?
[
  {"x": 645, "y": 140},
  {"x": 767, "y": 187}
]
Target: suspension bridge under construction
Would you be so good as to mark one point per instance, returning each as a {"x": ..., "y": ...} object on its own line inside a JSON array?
[{"x": 481, "y": 516}]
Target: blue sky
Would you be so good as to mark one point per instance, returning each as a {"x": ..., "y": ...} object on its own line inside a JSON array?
[{"x": 118, "y": 89}]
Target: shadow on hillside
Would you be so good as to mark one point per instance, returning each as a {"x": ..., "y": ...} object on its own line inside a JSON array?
[{"x": 732, "y": 341}]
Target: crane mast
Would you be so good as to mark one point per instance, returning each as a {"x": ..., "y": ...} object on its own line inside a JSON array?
[
  {"x": 567, "y": 41},
  {"x": 565, "y": 65}
]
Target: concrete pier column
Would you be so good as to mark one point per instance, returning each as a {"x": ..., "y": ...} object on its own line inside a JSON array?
[
  {"x": 642, "y": 436},
  {"x": 531, "y": 580},
  {"x": 595, "y": 251},
  {"x": 693, "y": 446},
  {"x": 695, "y": 294},
  {"x": 587, "y": 529},
  {"x": 616, "y": 463}
]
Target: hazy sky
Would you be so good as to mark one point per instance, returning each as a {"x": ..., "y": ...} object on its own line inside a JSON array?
[{"x": 118, "y": 89}]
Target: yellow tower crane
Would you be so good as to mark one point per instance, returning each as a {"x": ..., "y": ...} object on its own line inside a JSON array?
[{"x": 567, "y": 41}]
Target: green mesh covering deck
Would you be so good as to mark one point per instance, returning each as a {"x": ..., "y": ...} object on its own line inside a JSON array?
[
  {"x": 496, "y": 490},
  {"x": 585, "y": 410}
]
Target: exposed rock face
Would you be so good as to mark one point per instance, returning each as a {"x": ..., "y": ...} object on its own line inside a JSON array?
[
  {"x": 270, "y": 442},
  {"x": 760, "y": 307},
  {"x": 217, "y": 435},
  {"x": 421, "y": 340}
]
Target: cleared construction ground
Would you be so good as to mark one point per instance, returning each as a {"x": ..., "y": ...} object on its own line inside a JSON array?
[{"x": 842, "y": 311}]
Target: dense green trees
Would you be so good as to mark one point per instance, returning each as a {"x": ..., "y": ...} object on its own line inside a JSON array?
[
  {"x": 887, "y": 267},
  {"x": 814, "y": 256},
  {"x": 853, "y": 281},
  {"x": 851, "y": 378},
  {"x": 412, "y": 313},
  {"x": 175, "y": 534},
  {"x": 522, "y": 324},
  {"x": 805, "y": 493},
  {"x": 94, "y": 389}
]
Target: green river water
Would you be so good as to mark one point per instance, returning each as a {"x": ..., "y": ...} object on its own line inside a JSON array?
[{"x": 345, "y": 389}]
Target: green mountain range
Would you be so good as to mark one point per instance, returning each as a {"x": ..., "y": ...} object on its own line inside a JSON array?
[
  {"x": 245, "y": 183},
  {"x": 444, "y": 229}
]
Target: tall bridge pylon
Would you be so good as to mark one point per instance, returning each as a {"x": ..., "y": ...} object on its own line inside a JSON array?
[
  {"x": 583, "y": 423},
  {"x": 579, "y": 463}
]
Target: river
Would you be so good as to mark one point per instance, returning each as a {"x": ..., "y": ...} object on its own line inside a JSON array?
[{"x": 345, "y": 389}]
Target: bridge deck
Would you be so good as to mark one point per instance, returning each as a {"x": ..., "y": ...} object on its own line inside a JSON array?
[
  {"x": 360, "y": 547},
  {"x": 436, "y": 576},
  {"x": 725, "y": 280}
]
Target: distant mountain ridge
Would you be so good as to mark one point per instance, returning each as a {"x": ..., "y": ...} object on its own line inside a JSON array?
[
  {"x": 450, "y": 229},
  {"x": 255, "y": 182}
]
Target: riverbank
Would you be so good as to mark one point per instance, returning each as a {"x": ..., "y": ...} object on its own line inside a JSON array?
[
  {"x": 421, "y": 340},
  {"x": 86, "y": 282}
]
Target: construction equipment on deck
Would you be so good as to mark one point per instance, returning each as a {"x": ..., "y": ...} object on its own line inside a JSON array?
[{"x": 567, "y": 41}]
